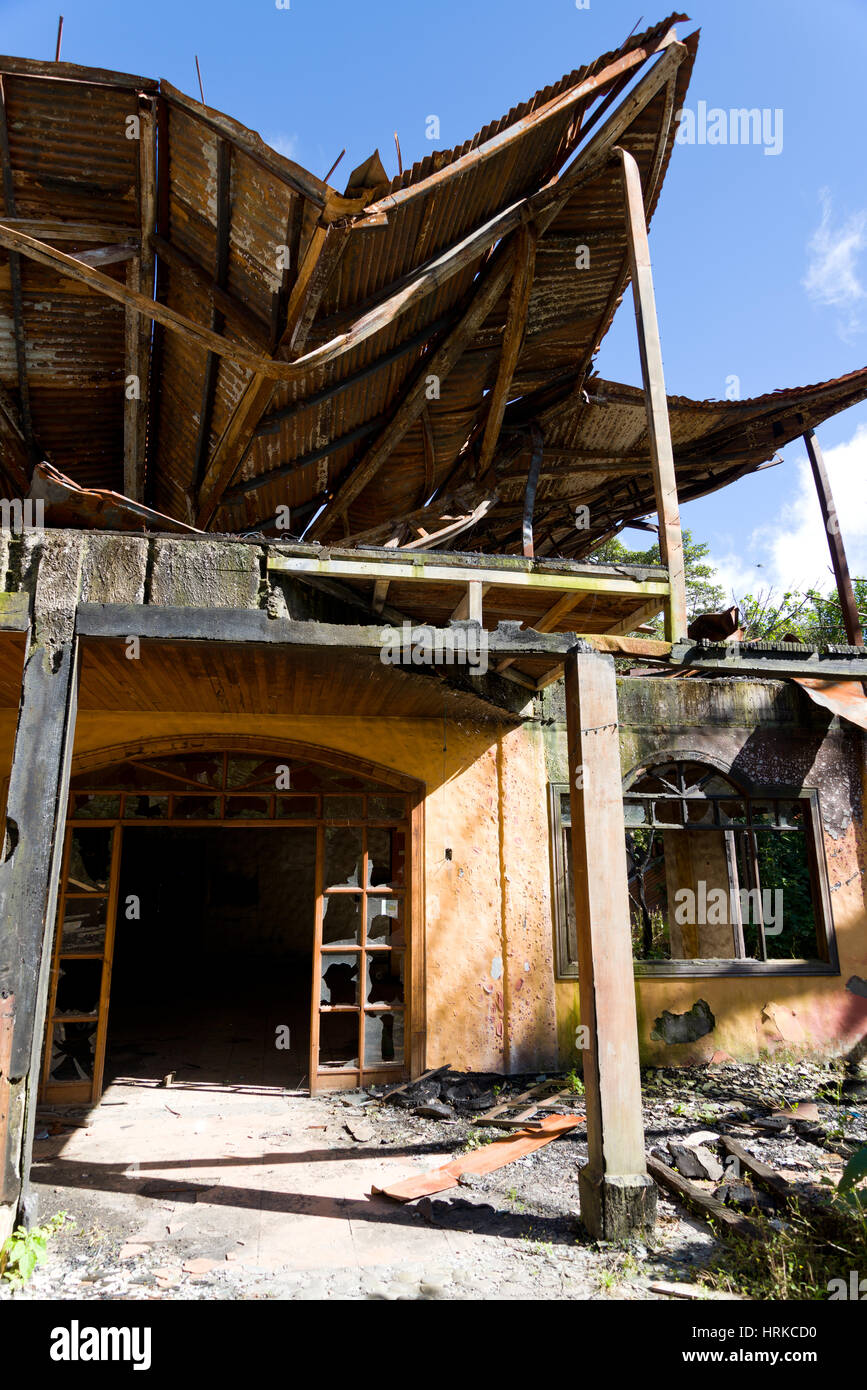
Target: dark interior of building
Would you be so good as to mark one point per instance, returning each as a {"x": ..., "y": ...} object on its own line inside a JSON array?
[{"x": 213, "y": 956}]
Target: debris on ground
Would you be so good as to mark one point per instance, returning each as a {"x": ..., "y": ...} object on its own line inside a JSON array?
[{"x": 513, "y": 1232}]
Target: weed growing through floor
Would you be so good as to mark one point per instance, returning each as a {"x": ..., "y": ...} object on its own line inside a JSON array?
[
  {"x": 813, "y": 1247},
  {"x": 477, "y": 1139},
  {"x": 575, "y": 1083},
  {"x": 512, "y": 1196},
  {"x": 619, "y": 1265},
  {"x": 538, "y": 1247},
  {"x": 23, "y": 1250}
]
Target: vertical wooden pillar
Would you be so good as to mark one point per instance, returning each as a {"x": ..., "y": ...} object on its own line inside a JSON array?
[
  {"x": 655, "y": 399},
  {"x": 617, "y": 1196},
  {"x": 30, "y": 869},
  {"x": 854, "y": 629}
]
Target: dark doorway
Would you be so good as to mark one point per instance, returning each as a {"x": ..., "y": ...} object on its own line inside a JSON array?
[{"x": 213, "y": 956}]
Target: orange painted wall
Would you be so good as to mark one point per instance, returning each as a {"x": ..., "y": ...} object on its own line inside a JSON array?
[{"x": 492, "y": 1000}]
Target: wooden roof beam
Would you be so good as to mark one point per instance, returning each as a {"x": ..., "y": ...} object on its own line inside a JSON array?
[
  {"x": 137, "y": 329},
  {"x": 317, "y": 266},
  {"x": 491, "y": 285},
  {"x": 513, "y": 335},
  {"x": 221, "y": 270},
  {"x": 17, "y": 297},
  {"x": 846, "y": 594}
]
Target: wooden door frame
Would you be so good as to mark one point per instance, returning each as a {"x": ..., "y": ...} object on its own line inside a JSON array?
[{"x": 290, "y": 749}]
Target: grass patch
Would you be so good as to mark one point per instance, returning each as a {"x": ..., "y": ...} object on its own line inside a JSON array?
[{"x": 817, "y": 1244}]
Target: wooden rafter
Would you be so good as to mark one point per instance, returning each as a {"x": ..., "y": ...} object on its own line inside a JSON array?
[
  {"x": 221, "y": 271},
  {"x": 575, "y": 96},
  {"x": 513, "y": 334},
  {"x": 157, "y": 331},
  {"x": 655, "y": 399},
  {"x": 491, "y": 284},
  {"x": 137, "y": 329},
  {"x": 17, "y": 297},
  {"x": 318, "y": 265},
  {"x": 273, "y": 421}
]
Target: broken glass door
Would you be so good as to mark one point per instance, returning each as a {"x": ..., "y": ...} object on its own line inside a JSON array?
[
  {"x": 358, "y": 1033},
  {"x": 81, "y": 968}
]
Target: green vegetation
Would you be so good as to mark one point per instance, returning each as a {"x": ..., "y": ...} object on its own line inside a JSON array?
[
  {"x": 703, "y": 594},
  {"x": 24, "y": 1250},
  {"x": 805, "y": 614}
]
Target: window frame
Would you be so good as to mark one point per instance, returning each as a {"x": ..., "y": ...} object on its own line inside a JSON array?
[{"x": 567, "y": 969}]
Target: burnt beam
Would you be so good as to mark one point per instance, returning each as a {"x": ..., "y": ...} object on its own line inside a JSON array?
[{"x": 30, "y": 869}]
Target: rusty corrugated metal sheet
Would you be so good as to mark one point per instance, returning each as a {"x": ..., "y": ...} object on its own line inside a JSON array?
[
  {"x": 843, "y": 698},
  {"x": 299, "y": 442},
  {"x": 67, "y": 504},
  {"x": 70, "y": 162}
]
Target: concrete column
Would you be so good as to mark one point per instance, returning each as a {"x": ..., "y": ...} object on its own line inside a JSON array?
[{"x": 617, "y": 1196}]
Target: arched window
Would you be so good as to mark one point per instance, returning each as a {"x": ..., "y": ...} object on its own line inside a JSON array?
[{"x": 722, "y": 874}]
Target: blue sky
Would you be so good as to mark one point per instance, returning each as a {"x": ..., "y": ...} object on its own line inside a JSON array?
[{"x": 760, "y": 260}]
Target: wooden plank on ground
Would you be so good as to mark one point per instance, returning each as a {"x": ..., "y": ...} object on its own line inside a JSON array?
[
  {"x": 701, "y": 1202},
  {"x": 767, "y": 1179}
]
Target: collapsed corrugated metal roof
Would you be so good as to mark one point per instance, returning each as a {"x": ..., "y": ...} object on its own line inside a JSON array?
[{"x": 350, "y": 356}]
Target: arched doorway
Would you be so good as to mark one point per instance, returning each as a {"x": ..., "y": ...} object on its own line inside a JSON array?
[{"x": 222, "y": 881}]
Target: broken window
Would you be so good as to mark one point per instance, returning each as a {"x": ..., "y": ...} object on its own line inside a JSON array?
[
  {"x": 565, "y": 934},
  {"x": 720, "y": 879},
  {"x": 730, "y": 879}
]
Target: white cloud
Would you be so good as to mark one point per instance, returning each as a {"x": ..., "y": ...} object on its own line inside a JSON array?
[
  {"x": 791, "y": 552},
  {"x": 287, "y": 145},
  {"x": 833, "y": 279}
]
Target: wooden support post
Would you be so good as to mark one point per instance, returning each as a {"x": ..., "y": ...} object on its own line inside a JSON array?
[
  {"x": 470, "y": 605},
  {"x": 29, "y": 872},
  {"x": 617, "y": 1196},
  {"x": 655, "y": 400},
  {"x": 854, "y": 627}
]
